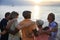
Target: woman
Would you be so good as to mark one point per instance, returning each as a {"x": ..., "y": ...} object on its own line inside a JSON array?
[
  {"x": 42, "y": 33},
  {"x": 53, "y": 26}
]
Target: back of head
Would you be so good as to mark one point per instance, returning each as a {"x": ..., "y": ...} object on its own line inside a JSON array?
[
  {"x": 46, "y": 28},
  {"x": 40, "y": 22},
  {"x": 7, "y": 14},
  {"x": 27, "y": 14},
  {"x": 13, "y": 15}
]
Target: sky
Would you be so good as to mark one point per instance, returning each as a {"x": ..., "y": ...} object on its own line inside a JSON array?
[{"x": 28, "y": 2}]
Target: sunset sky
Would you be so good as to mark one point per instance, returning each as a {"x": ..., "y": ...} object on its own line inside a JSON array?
[
  {"x": 29, "y": 2},
  {"x": 36, "y": 8}
]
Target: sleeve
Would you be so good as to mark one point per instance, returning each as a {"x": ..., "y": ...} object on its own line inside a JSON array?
[
  {"x": 53, "y": 25},
  {"x": 9, "y": 25},
  {"x": 3, "y": 23}
]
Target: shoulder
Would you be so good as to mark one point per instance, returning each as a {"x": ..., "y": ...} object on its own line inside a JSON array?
[
  {"x": 3, "y": 19},
  {"x": 54, "y": 24},
  {"x": 11, "y": 21},
  {"x": 34, "y": 23}
]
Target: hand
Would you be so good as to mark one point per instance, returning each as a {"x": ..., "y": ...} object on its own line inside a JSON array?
[{"x": 2, "y": 33}]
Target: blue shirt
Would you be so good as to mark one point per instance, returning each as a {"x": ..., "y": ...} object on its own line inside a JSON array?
[
  {"x": 3, "y": 24},
  {"x": 53, "y": 25}
]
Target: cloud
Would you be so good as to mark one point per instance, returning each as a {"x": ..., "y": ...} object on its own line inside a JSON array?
[
  {"x": 15, "y": 2},
  {"x": 24, "y": 2}
]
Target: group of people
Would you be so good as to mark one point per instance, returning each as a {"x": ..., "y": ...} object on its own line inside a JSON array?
[{"x": 27, "y": 29}]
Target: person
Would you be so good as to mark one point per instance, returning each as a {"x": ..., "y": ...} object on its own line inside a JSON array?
[
  {"x": 12, "y": 24},
  {"x": 53, "y": 26},
  {"x": 42, "y": 32},
  {"x": 26, "y": 26},
  {"x": 3, "y": 24}
]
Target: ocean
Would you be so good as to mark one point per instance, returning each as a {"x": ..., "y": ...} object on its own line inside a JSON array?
[{"x": 38, "y": 12}]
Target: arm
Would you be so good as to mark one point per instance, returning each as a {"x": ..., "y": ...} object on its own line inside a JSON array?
[
  {"x": 14, "y": 31},
  {"x": 7, "y": 28},
  {"x": 55, "y": 28},
  {"x": 2, "y": 33},
  {"x": 19, "y": 26}
]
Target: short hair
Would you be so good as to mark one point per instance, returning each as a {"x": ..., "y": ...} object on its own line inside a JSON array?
[
  {"x": 7, "y": 14},
  {"x": 27, "y": 14},
  {"x": 13, "y": 14},
  {"x": 40, "y": 22},
  {"x": 52, "y": 16}
]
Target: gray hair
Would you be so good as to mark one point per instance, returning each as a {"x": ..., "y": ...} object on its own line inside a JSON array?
[
  {"x": 13, "y": 15},
  {"x": 40, "y": 22}
]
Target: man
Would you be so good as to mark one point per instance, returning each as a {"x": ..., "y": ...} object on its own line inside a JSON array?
[
  {"x": 3, "y": 26},
  {"x": 53, "y": 26},
  {"x": 27, "y": 26}
]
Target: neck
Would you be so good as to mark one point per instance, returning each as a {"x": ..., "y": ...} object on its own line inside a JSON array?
[{"x": 51, "y": 21}]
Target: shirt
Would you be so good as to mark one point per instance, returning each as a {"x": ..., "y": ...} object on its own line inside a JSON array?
[
  {"x": 42, "y": 36},
  {"x": 26, "y": 31},
  {"x": 12, "y": 28},
  {"x": 3, "y": 27},
  {"x": 53, "y": 25},
  {"x": 3, "y": 24}
]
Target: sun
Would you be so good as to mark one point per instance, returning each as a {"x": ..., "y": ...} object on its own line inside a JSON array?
[
  {"x": 37, "y": 1},
  {"x": 36, "y": 12}
]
